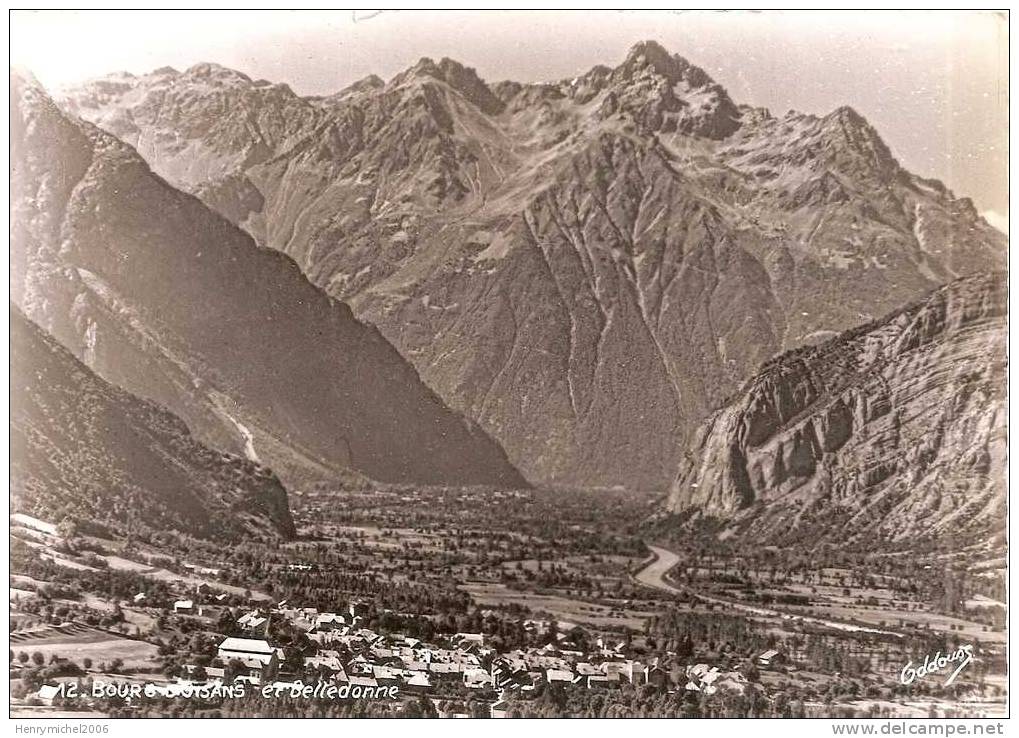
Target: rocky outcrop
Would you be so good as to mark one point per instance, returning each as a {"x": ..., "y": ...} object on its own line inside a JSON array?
[
  {"x": 81, "y": 447},
  {"x": 157, "y": 294},
  {"x": 895, "y": 430},
  {"x": 584, "y": 267}
]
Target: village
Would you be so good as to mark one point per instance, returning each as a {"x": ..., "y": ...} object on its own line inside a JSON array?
[
  {"x": 342, "y": 659},
  {"x": 186, "y": 634}
]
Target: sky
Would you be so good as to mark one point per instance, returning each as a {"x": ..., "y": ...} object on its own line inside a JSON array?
[{"x": 933, "y": 83}]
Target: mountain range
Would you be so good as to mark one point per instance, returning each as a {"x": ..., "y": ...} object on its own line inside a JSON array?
[{"x": 586, "y": 268}]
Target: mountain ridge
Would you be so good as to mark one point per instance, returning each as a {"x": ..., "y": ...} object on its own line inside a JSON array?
[
  {"x": 512, "y": 240},
  {"x": 167, "y": 299}
]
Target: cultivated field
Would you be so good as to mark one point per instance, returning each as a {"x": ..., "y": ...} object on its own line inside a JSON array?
[{"x": 78, "y": 641}]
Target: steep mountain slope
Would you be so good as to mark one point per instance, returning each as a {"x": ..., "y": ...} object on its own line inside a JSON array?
[
  {"x": 895, "y": 431},
  {"x": 82, "y": 447},
  {"x": 586, "y": 267},
  {"x": 161, "y": 296}
]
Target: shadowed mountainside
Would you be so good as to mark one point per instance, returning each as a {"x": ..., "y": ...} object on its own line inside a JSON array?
[
  {"x": 83, "y": 448},
  {"x": 161, "y": 296}
]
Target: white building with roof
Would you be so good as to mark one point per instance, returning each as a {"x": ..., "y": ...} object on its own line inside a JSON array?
[{"x": 259, "y": 658}]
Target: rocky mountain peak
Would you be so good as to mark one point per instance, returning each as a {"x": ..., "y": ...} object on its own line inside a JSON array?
[
  {"x": 371, "y": 82},
  {"x": 848, "y": 115},
  {"x": 366, "y": 85},
  {"x": 460, "y": 78},
  {"x": 855, "y": 142},
  {"x": 211, "y": 72},
  {"x": 34, "y": 102},
  {"x": 665, "y": 93},
  {"x": 653, "y": 56}
]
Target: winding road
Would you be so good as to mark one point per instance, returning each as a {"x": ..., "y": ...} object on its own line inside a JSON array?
[{"x": 653, "y": 575}]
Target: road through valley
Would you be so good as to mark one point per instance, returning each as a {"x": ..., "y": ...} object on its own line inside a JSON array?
[{"x": 653, "y": 575}]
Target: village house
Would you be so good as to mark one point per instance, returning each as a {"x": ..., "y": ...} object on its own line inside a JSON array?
[
  {"x": 252, "y": 622},
  {"x": 342, "y": 637},
  {"x": 48, "y": 693},
  {"x": 600, "y": 681},
  {"x": 475, "y": 678},
  {"x": 770, "y": 658},
  {"x": 329, "y": 621},
  {"x": 558, "y": 676},
  {"x": 636, "y": 673},
  {"x": 328, "y": 661},
  {"x": 40, "y": 526},
  {"x": 710, "y": 680},
  {"x": 612, "y": 669},
  {"x": 202, "y": 570},
  {"x": 368, "y": 636},
  {"x": 467, "y": 640},
  {"x": 402, "y": 642},
  {"x": 212, "y": 673},
  {"x": 300, "y": 617},
  {"x": 260, "y": 660},
  {"x": 417, "y": 682},
  {"x": 360, "y": 665},
  {"x": 536, "y": 626},
  {"x": 184, "y": 607},
  {"x": 658, "y": 677},
  {"x": 444, "y": 669},
  {"x": 385, "y": 676}
]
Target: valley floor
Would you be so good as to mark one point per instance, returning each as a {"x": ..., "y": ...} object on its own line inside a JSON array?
[{"x": 483, "y": 602}]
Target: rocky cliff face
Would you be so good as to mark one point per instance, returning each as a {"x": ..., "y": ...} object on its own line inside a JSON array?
[
  {"x": 587, "y": 267},
  {"x": 84, "y": 448},
  {"x": 894, "y": 431},
  {"x": 161, "y": 296}
]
